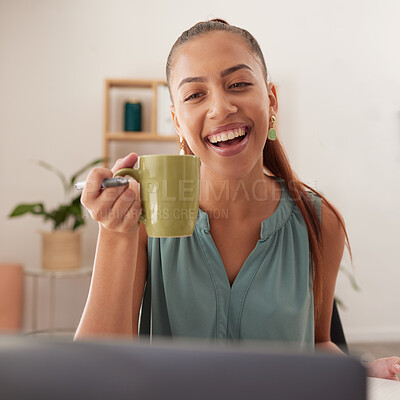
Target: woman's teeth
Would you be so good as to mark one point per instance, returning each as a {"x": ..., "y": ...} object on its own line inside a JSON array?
[{"x": 228, "y": 135}]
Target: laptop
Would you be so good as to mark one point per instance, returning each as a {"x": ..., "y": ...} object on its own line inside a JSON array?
[{"x": 34, "y": 368}]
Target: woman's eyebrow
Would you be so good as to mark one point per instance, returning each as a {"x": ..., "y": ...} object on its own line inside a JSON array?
[
  {"x": 194, "y": 79},
  {"x": 231, "y": 70},
  {"x": 224, "y": 73}
]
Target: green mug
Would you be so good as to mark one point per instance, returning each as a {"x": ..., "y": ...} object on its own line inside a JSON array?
[{"x": 169, "y": 193}]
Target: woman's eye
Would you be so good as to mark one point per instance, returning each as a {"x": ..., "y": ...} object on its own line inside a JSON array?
[
  {"x": 240, "y": 85},
  {"x": 193, "y": 96}
]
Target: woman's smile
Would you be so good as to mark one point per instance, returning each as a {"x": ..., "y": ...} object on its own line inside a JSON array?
[{"x": 228, "y": 140}]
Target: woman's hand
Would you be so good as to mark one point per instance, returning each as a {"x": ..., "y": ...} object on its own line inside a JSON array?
[
  {"x": 386, "y": 368},
  {"x": 116, "y": 209}
]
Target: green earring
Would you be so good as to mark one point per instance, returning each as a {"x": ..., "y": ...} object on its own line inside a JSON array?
[{"x": 272, "y": 131}]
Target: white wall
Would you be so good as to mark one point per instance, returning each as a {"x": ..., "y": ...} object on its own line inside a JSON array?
[{"x": 337, "y": 67}]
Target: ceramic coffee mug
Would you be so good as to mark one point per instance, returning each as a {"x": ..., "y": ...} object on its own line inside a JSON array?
[{"x": 169, "y": 193}]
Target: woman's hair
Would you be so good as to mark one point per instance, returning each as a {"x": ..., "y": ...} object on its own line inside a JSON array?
[
  {"x": 213, "y": 25},
  {"x": 274, "y": 157}
]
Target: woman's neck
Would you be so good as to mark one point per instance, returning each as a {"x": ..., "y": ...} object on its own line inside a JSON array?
[{"x": 237, "y": 196}]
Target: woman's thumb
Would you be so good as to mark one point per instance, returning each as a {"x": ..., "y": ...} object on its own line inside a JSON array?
[{"x": 127, "y": 162}]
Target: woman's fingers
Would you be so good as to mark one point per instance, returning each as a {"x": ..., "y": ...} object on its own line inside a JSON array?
[
  {"x": 127, "y": 162},
  {"x": 116, "y": 208},
  {"x": 386, "y": 368},
  {"x": 92, "y": 189},
  {"x": 119, "y": 211},
  {"x": 396, "y": 366}
]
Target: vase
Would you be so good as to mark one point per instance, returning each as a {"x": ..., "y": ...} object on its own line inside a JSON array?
[{"x": 61, "y": 250}]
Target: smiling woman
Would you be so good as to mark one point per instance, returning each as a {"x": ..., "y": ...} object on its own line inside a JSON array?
[
  {"x": 264, "y": 256},
  {"x": 219, "y": 86}
]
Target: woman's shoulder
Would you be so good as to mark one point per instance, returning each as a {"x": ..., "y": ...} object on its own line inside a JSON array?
[
  {"x": 331, "y": 218},
  {"x": 332, "y": 229},
  {"x": 328, "y": 214},
  {"x": 316, "y": 201},
  {"x": 332, "y": 223}
]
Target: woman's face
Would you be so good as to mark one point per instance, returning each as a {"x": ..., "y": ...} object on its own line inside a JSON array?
[{"x": 221, "y": 102}]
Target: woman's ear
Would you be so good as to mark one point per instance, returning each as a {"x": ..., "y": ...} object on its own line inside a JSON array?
[
  {"x": 175, "y": 121},
  {"x": 273, "y": 98}
]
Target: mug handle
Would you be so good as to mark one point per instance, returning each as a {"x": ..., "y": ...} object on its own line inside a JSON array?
[{"x": 134, "y": 173}]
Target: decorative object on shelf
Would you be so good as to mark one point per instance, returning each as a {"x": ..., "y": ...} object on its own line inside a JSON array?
[
  {"x": 61, "y": 246},
  {"x": 133, "y": 115}
]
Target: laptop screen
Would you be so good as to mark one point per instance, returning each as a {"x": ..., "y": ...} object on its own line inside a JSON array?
[{"x": 32, "y": 368}]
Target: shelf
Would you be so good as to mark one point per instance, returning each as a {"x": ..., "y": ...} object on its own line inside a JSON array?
[
  {"x": 156, "y": 113},
  {"x": 140, "y": 136},
  {"x": 132, "y": 83}
]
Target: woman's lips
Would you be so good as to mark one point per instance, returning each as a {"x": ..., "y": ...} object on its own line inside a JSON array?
[{"x": 230, "y": 149}]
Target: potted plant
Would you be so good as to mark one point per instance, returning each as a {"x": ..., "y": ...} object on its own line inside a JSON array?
[{"x": 61, "y": 247}]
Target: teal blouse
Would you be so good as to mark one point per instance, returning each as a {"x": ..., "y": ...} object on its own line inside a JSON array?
[{"x": 188, "y": 293}]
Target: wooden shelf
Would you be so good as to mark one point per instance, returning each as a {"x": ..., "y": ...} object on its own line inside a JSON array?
[
  {"x": 152, "y": 136},
  {"x": 133, "y": 83},
  {"x": 140, "y": 136}
]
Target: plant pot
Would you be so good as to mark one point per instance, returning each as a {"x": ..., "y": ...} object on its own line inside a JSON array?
[{"x": 61, "y": 250}]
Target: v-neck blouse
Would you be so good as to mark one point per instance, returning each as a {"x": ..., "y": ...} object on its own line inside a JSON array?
[{"x": 188, "y": 293}]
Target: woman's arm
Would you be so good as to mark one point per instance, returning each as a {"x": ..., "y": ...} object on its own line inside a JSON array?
[
  {"x": 116, "y": 289},
  {"x": 332, "y": 251},
  {"x": 119, "y": 272},
  {"x": 333, "y": 239}
]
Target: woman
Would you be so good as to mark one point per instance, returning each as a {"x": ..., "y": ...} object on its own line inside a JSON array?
[{"x": 264, "y": 257}]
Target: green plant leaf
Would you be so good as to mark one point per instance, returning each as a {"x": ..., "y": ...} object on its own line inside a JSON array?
[
  {"x": 75, "y": 209},
  {"x": 79, "y": 221},
  {"x": 68, "y": 215},
  {"x": 56, "y": 171},
  {"x": 76, "y": 212},
  {"x": 59, "y": 216},
  {"x": 85, "y": 168},
  {"x": 77, "y": 200},
  {"x": 34, "y": 208},
  {"x": 76, "y": 206}
]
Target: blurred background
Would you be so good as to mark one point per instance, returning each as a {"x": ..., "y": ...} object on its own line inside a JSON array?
[{"x": 336, "y": 66}]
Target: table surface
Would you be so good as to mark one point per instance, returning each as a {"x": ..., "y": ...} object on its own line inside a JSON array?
[{"x": 383, "y": 389}]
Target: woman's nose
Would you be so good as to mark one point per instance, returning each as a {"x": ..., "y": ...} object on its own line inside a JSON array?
[{"x": 221, "y": 106}]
